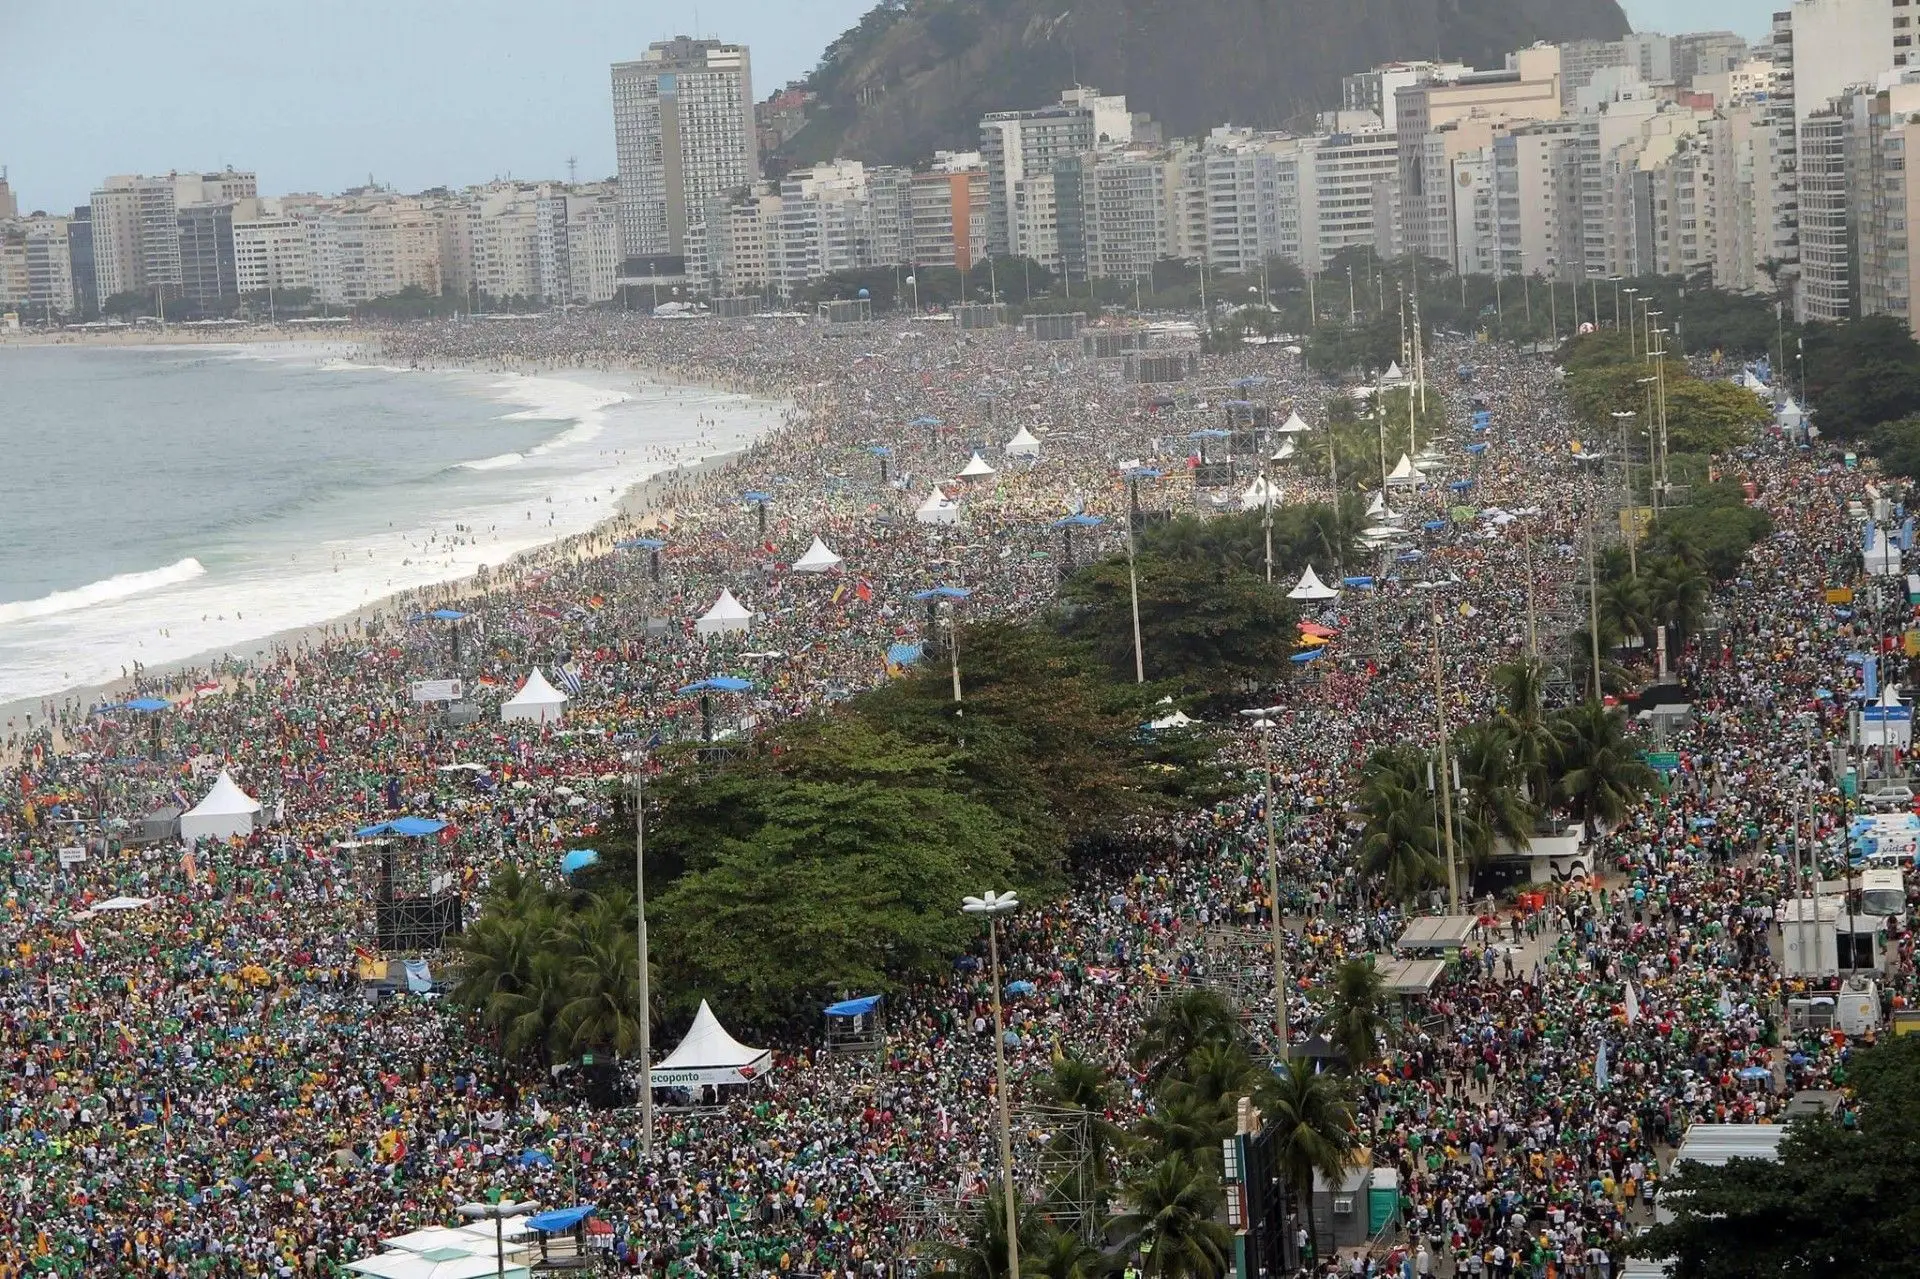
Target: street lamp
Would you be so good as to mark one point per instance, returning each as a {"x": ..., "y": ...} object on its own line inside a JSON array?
[
  {"x": 943, "y": 598},
  {"x": 497, "y": 1213},
  {"x": 1134, "y": 477},
  {"x": 993, "y": 905},
  {"x": 640, "y": 941},
  {"x": 1621, "y": 417},
  {"x": 1262, "y": 719},
  {"x": 1446, "y": 795},
  {"x": 1630, "y": 342}
]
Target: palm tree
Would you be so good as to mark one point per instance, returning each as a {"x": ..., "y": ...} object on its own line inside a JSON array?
[
  {"x": 526, "y": 1018},
  {"x": 1173, "y": 1206},
  {"x": 1604, "y": 774},
  {"x": 1677, "y": 596},
  {"x": 1179, "y": 1025},
  {"x": 1186, "y": 1123},
  {"x": 1078, "y": 1084},
  {"x": 1492, "y": 799},
  {"x": 1214, "y": 1072},
  {"x": 1312, "y": 1124},
  {"x": 603, "y": 1010},
  {"x": 1354, "y": 1021},
  {"x": 1625, "y": 610},
  {"x": 1398, "y": 843},
  {"x": 1064, "y": 1255},
  {"x": 983, "y": 1255},
  {"x": 1522, "y": 689}
]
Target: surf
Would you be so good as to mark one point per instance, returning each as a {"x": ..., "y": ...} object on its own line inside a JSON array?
[{"x": 105, "y": 591}]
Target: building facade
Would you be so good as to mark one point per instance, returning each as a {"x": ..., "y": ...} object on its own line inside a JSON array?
[{"x": 684, "y": 135}]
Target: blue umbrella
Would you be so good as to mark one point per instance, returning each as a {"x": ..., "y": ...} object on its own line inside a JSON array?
[
  {"x": 1434, "y": 526},
  {"x": 641, "y": 544},
  {"x": 1756, "y": 1072},
  {"x": 147, "y": 705},
  {"x": 1461, "y": 486},
  {"x": 535, "y": 1159},
  {"x": 1020, "y": 988},
  {"x": 944, "y": 593},
  {"x": 1077, "y": 521},
  {"x": 718, "y": 684},
  {"x": 578, "y": 860},
  {"x": 1306, "y": 655}
]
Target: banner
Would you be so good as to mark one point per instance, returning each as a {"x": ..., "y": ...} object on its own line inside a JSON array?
[
  {"x": 419, "y": 976},
  {"x": 436, "y": 690}
]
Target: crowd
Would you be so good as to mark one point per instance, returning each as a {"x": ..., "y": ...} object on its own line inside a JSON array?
[{"x": 201, "y": 1085}]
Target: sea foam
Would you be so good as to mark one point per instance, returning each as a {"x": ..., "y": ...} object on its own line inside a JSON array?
[{"x": 105, "y": 591}]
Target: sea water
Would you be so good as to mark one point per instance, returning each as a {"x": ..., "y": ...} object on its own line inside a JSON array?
[{"x": 162, "y": 502}]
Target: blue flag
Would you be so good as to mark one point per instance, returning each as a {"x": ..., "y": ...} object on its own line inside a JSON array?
[{"x": 1600, "y": 1068}]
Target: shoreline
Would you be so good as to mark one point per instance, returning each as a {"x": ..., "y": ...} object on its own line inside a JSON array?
[{"x": 642, "y": 506}]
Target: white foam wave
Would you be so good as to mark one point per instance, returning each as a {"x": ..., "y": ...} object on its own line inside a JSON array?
[
  {"x": 556, "y": 399},
  {"x": 123, "y": 586},
  {"x": 494, "y": 463},
  {"x": 352, "y": 366}
]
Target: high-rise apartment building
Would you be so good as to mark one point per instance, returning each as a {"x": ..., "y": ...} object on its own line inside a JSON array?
[
  {"x": 578, "y": 238},
  {"x": 86, "y": 297},
  {"x": 1887, "y": 202},
  {"x": 373, "y": 247},
  {"x": 207, "y": 271},
  {"x": 1021, "y": 146},
  {"x": 137, "y": 229},
  {"x": 270, "y": 252},
  {"x": 49, "y": 263},
  {"x": 684, "y": 135}
]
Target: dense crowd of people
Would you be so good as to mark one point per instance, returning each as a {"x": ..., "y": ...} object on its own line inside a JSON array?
[{"x": 199, "y": 1083}]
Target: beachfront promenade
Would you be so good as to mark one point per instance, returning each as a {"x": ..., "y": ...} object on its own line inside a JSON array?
[{"x": 195, "y": 1087}]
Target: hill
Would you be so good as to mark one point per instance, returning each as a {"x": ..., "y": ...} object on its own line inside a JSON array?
[{"x": 916, "y": 75}]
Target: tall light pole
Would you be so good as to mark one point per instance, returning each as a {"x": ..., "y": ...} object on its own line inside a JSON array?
[
  {"x": 1262, "y": 717},
  {"x": 1446, "y": 794},
  {"x": 1620, "y": 418},
  {"x": 1631, "y": 347},
  {"x": 646, "y": 1006},
  {"x": 497, "y": 1213},
  {"x": 993, "y": 905},
  {"x": 944, "y": 598},
  {"x": 1134, "y": 477}
]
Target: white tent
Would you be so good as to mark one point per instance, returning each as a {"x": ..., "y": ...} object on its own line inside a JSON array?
[
  {"x": 1377, "y": 508},
  {"x": 1393, "y": 371},
  {"x": 1294, "y": 425},
  {"x": 1259, "y": 494},
  {"x": 975, "y": 468},
  {"x": 709, "y": 1055},
  {"x": 225, "y": 812},
  {"x": 1284, "y": 452},
  {"x": 438, "y": 1263},
  {"x": 1179, "y": 719},
  {"x": 726, "y": 615},
  {"x": 537, "y": 701},
  {"x": 818, "y": 559},
  {"x": 1789, "y": 415},
  {"x": 937, "y": 509},
  {"x": 1406, "y": 475},
  {"x": 1023, "y": 444},
  {"x": 1310, "y": 587}
]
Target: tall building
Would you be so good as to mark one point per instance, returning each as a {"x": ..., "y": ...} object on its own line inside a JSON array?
[
  {"x": 1698, "y": 53},
  {"x": 137, "y": 229},
  {"x": 270, "y": 251},
  {"x": 1021, "y": 146},
  {"x": 1820, "y": 49},
  {"x": 207, "y": 271},
  {"x": 578, "y": 243},
  {"x": 49, "y": 263},
  {"x": 366, "y": 248},
  {"x": 1887, "y": 203},
  {"x": 1378, "y": 90},
  {"x": 503, "y": 230},
  {"x": 684, "y": 134},
  {"x": 9, "y": 205},
  {"x": 1349, "y": 195},
  {"x": 86, "y": 297},
  {"x": 1253, "y": 198}
]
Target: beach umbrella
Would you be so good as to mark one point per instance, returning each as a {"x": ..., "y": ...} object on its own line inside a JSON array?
[
  {"x": 759, "y": 501},
  {"x": 1066, "y": 524},
  {"x": 652, "y": 545},
  {"x": 578, "y": 860},
  {"x": 707, "y": 688}
]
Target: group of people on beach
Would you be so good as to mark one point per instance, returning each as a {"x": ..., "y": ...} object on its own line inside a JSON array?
[{"x": 199, "y": 1085}]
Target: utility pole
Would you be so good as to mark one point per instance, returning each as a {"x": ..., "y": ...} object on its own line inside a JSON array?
[
  {"x": 1446, "y": 793},
  {"x": 646, "y": 1007},
  {"x": 1533, "y": 637},
  {"x": 1593, "y": 609}
]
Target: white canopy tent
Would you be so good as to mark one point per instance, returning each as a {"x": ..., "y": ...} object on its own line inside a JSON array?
[
  {"x": 1285, "y": 451},
  {"x": 1406, "y": 474},
  {"x": 227, "y": 811},
  {"x": 709, "y": 1055},
  {"x": 1260, "y": 494},
  {"x": 437, "y": 1263},
  {"x": 1393, "y": 372},
  {"x": 938, "y": 509},
  {"x": 1294, "y": 425},
  {"x": 818, "y": 559},
  {"x": 537, "y": 701},
  {"x": 1789, "y": 415},
  {"x": 1023, "y": 444},
  {"x": 1178, "y": 719},
  {"x": 1310, "y": 587},
  {"x": 727, "y": 616},
  {"x": 976, "y": 468}
]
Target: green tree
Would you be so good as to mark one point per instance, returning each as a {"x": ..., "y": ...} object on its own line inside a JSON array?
[
  {"x": 983, "y": 1252},
  {"x": 1178, "y": 1026},
  {"x": 1356, "y": 1023},
  {"x": 1839, "y": 1200},
  {"x": 602, "y": 1012},
  {"x": 1625, "y": 609},
  {"x": 1492, "y": 800},
  {"x": 1183, "y": 1123},
  {"x": 1677, "y": 594},
  {"x": 1311, "y": 1123},
  {"x": 1521, "y": 686},
  {"x": 1602, "y": 773},
  {"x": 1398, "y": 842},
  {"x": 1209, "y": 627},
  {"x": 1174, "y": 1203}
]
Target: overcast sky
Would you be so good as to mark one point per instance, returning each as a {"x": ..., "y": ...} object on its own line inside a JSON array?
[{"x": 318, "y": 95}]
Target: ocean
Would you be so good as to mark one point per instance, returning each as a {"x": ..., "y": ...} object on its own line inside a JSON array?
[{"x": 157, "y": 503}]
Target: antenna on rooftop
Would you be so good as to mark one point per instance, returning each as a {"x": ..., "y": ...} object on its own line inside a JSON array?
[{"x": 573, "y": 166}]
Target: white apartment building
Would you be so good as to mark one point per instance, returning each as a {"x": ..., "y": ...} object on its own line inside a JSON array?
[
  {"x": 503, "y": 238},
  {"x": 371, "y": 248},
  {"x": 578, "y": 243},
  {"x": 15, "y": 286},
  {"x": 137, "y": 225},
  {"x": 1252, "y": 183},
  {"x": 826, "y": 222},
  {"x": 1741, "y": 144},
  {"x": 1887, "y": 203},
  {"x": 1135, "y": 209},
  {"x": 735, "y": 247},
  {"x": 684, "y": 136},
  {"x": 270, "y": 250},
  {"x": 1349, "y": 189},
  {"x": 49, "y": 267},
  {"x": 1018, "y": 147},
  {"x": 1821, "y": 48}
]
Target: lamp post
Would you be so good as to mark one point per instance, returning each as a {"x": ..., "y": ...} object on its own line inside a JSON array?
[
  {"x": 1621, "y": 417},
  {"x": 497, "y": 1213},
  {"x": 1134, "y": 477},
  {"x": 1631, "y": 349},
  {"x": 640, "y": 940},
  {"x": 943, "y": 599},
  {"x": 993, "y": 905},
  {"x": 1262, "y": 717},
  {"x": 1446, "y": 794}
]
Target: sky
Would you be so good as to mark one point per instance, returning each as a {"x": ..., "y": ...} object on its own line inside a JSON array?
[{"x": 320, "y": 95}]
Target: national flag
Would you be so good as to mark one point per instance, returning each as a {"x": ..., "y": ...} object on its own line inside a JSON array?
[
  {"x": 1600, "y": 1067},
  {"x": 839, "y": 592},
  {"x": 80, "y": 946},
  {"x": 1633, "y": 1005},
  {"x": 864, "y": 591},
  {"x": 570, "y": 678}
]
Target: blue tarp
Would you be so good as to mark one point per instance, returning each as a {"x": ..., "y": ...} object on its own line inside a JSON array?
[
  {"x": 854, "y": 1007},
  {"x": 410, "y": 827},
  {"x": 1306, "y": 655},
  {"x": 718, "y": 684},
  {"x": 446, "y": 615},
  {"x": 1434, "y": 526},
  {"x": 578, "y": 860},
  {"x": 149, "y": 704},
  {"x": 903, "y": 654},
  {"x": 1077, "y": 521},
  {"x": 1358, "y": 583},
  {"x": 560, "y": 1218},
  {"x": 943, "y": 593},
  {"x": 641, "y": 544}
]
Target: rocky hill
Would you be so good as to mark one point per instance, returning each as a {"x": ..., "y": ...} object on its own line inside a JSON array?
[{"x": 916, "y": 75}]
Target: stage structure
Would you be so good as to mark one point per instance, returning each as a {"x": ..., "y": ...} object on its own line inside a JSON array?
[
  {"x": 857, "y": 1027},
  {"x": 402, "y": 865}
]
